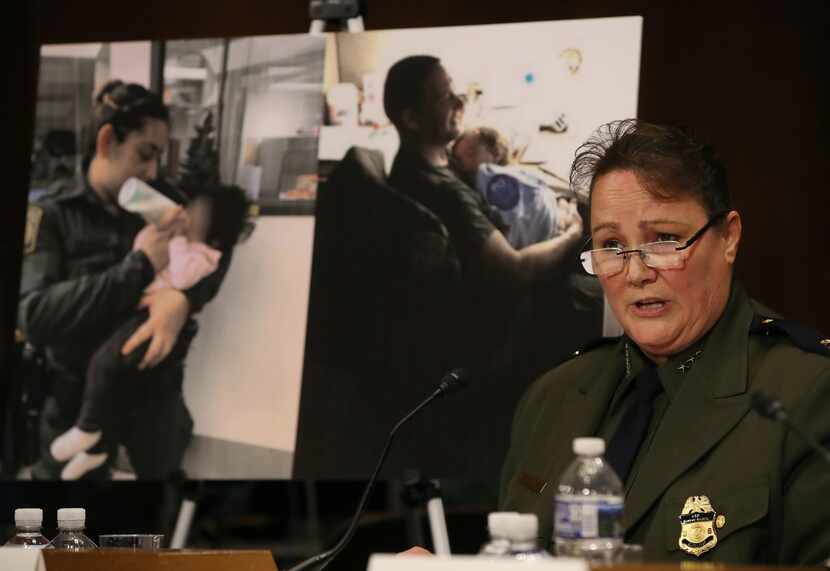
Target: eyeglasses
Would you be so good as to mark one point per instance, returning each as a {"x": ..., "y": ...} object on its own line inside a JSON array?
[{"x": 665, "y": 255}]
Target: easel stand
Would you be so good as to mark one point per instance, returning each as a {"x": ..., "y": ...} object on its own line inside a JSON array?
[
  {"x": 352, "y": 25},
  {"x": 338, "y": 14}
]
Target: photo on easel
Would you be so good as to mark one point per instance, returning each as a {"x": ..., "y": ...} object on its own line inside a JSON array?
[
  {"x": 165, "y": 277},
  {"x": 447, "y": 234},
  {"x": 392, "y": 180}
]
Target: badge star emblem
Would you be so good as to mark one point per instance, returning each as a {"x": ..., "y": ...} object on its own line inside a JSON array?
[{"x": 687, "y": 365}]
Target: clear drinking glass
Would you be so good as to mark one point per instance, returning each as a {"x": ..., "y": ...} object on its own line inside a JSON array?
[
  {"x": 630, "y": 553},
  {"x": 134, "y": 541}
]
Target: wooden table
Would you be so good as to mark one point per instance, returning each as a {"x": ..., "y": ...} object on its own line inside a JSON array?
[{"x": 161, "y": 560}]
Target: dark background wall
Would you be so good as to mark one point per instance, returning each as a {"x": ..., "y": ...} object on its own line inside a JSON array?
[{"x": 750, "y": 79}]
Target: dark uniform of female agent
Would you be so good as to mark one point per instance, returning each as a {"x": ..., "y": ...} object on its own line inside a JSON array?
[{"x": 81, "y": 278}]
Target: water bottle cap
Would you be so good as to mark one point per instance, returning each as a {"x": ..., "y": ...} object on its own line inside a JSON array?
[
  {"x": 523, "y": 527},
  {"x": 589, "y": 446},
  {"x": 72, "y": 516},
  {"x": 498, "y": 523},
  {"x": 28, "y": 515}
]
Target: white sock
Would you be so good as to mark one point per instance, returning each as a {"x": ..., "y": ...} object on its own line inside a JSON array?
[
  {"x": 82, "y": 463},
  {"x": 71, "y": 442}
]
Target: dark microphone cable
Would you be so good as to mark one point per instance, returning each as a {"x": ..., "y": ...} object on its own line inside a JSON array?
[
  {"x": 453, "y": 381},
  {"x": 773, "y": 409}
]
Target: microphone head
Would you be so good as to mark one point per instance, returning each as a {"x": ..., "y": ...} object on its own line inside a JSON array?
[
  {"x": 768, "y": 407},
  {"x": 453, "y": 381}
]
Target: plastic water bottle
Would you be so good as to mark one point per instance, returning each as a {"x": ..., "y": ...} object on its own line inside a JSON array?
[
  {"x": 589, "y": 506},
  {"x": 498, "y": 524},
  {"x": 523, "y": 532},
  {"x": 71, "y": 522},
  {"x": 28, "y": 522}
]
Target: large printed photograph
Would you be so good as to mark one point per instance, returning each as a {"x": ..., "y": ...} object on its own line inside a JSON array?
[
  {"x": 167, "y": 260},
  {"x": 248, "y": 258},
  {"x": 447, "y": 235}
]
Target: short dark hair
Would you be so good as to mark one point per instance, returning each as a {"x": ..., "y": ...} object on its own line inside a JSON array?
[
  {"x": 667, "y": 161},
  {"x": 404, "y": 85},
  {"x": 230, "y": 215},
  {"x": 125, "y": 106}
]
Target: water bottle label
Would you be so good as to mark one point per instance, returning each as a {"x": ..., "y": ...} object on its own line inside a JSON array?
[{"x": 588, "y": 517}]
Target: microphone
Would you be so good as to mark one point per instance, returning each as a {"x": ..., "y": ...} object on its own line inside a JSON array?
[
  {"x": 453, "y": 381},
  {"x": 773, "y": 409}
]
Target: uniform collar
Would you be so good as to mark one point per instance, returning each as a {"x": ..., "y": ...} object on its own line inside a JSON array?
[
  {"x": 673, "y": 372},
  {"x": 89, "y": 194},
  {"x": 634, "y": 362},
  {"x": 726, "y": 346}
]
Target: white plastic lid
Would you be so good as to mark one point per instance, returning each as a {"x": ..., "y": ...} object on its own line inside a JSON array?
[
  {"x": 32, "y": 516},
  {"x": 523, "y": 527},
  {"x": 589, "y": 446},
  {"x": 498, "y": 523},
  {"x": 75, "y": 517}
]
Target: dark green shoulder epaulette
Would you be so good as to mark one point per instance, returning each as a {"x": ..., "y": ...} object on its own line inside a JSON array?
[
  {"x": 60, "y": 191},
  {"x": 598, "y": 342},
  {"x": 800, "y": 335}
]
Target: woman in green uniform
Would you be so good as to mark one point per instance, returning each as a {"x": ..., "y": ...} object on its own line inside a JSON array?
[{"x": 705, "y": 477}]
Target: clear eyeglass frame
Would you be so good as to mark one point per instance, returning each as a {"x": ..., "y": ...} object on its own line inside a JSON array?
[{"x": 663, "y": 255}]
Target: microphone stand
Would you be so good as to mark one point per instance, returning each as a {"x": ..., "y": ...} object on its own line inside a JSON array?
[
  {"x": 811, "y": 442},
  {"x": 773, "y": 409},
  {"x": 455, "y": 379}
]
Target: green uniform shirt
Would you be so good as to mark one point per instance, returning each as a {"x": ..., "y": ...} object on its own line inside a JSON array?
[
  {"x": 766, "y": 490},
  {"x": 671, "y": 376}
]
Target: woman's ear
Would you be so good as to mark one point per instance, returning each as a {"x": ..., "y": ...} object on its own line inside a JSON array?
[
  {"x": 104, "y": 140},
  {"x": 732, "y": 236}
]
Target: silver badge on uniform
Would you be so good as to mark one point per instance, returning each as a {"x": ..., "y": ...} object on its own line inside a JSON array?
[{"x": 697, "y": 526}]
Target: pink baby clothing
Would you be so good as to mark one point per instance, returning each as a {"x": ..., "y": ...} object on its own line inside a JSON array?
[{"x": 189, "y": 263}]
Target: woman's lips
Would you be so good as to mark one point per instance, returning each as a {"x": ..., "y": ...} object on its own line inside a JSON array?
[{"x": 651, "y": 307}]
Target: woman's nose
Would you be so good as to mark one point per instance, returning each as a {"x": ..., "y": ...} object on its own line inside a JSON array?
[{"x": 637, "y": 272}]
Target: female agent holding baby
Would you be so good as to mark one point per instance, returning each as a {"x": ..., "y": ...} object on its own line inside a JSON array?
[{"x": 83, "y": 275}]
